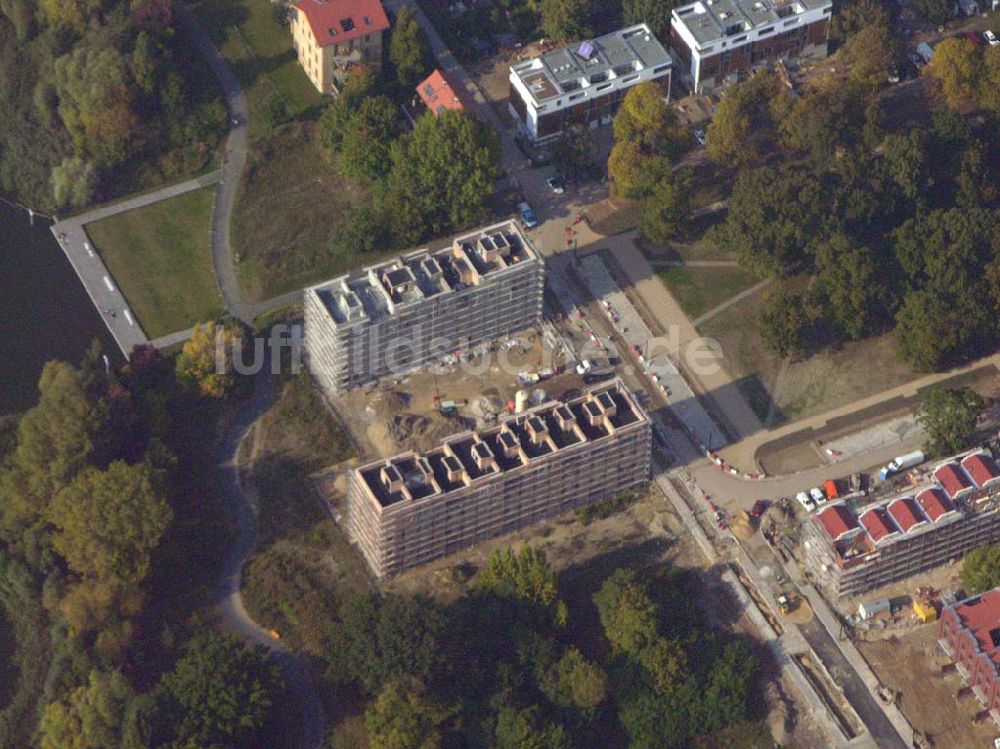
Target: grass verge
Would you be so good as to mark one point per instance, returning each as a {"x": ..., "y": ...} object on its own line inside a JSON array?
[
  {"x": 160, "y": 257},
  {"x": 806, "y": 387},
  {"x": 259, "y": 48},
  {"x": 290, "y": 202},
  {"x": 699, "y": 290}
]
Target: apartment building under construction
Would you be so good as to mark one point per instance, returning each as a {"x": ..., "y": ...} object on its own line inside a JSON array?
[
  {"x": 853, "y": 549},
  {"x": 412, "y": 508},
  {"x": 400, "y": 314}
]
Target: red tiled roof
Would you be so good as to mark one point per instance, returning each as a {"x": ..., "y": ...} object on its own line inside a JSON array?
[
  {"x": 335, "y": 21},
  {"x": 934, "y": 503},
  {"x": 982, "y": 468},
  {"x": 952, "y": 479},
  {"x": 982, "y": 618},
  {"x": 837, "y": 521},
  {"x": 437, "y": 93},
  {"x": 906, "y": 513},
  {"x": 878, "y": 524}
]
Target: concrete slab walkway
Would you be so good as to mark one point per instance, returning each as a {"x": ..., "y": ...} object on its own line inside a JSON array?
[{"x": 93, "y": 273}]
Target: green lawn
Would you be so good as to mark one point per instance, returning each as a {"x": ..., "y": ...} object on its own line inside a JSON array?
[
  {"x": 698, "y": 290},
  {"x": 160, "y": 257},
  {"x": 259, "y": 49}
]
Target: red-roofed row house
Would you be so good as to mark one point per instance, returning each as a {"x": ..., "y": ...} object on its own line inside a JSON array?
[
  {"x": 333, "y": 36},
  {"x": 851, "y": 551},
  {"x": 970, "y": 634}
]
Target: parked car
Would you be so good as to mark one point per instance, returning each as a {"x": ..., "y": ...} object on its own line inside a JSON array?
[
  {"x": 817, "y": 495},
  {"x": 556, "y": 184},
  {"x": 807, "y": 504},
  {"x": 758, "y": 508},
  {"x": 699, "y": 135},
  {"x": 527, "y": 216},
  {"x": 916, "y": 61},
  {"x": 991, "y": 38},
  {"x": 893, "y": 76}
]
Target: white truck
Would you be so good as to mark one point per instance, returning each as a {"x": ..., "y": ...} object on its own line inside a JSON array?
[{"x": 901, "y": 463}]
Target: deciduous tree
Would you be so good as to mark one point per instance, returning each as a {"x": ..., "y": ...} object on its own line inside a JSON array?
[
  {"x": 949, "y": 416},
  {"x": 206, "y": 360},
  {"x": 442, "y": 175},
  {"x": 784, "y": 319},
  {"x": 565, "y": 20},
  {"x": 981, "y": 569},
  {"x": 742, "y": 118},
  {"x": 109, "y": 522},
  {"x": 90, "y": 717},
  {"x": 402, "y": 717},
  {"x": 409, "y": 52},
  {"x": 956, "y": 66},
  {"x": 55, "y": 441},
  {"x": 655, "y": 13},
  {"x": 854, "y": 292},
  {"x": 575, "y": 682},
  {"x": 365, "y": 148},
  {"x": 627, "y": 613},
  {"x": 220, "y": 693},
  {"x": 666, "y": 209},
  {"x": 524, "y": 729}
]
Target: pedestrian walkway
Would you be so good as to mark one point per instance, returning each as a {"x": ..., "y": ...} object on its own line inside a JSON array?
[
  {"x": 730, "y": 302},
  {"x": 653, "y": 352},
  {"x": 93, "y": 273}
]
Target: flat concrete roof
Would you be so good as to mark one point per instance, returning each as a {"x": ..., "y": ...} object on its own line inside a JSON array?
[
  {"x": 569, "y": 68},
  {"x": 713, "y": 20}
]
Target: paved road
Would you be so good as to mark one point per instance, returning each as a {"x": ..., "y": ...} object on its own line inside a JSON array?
[
  {"x": 94, "y": 275},
  {"x": 230, "y": 601},
  {"x": 233, "y": 161}
]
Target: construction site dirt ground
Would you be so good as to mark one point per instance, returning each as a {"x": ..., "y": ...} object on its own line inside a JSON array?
[
  {"x": 910, "y": 664},
  {"x": 403, "y": 413}
]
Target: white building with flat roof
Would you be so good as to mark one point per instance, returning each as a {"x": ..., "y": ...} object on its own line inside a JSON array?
[
  {"x": 717, "y": 42},
  {"x": 585, "y": 82}
]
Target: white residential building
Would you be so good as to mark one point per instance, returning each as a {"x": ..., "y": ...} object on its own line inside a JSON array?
[{"x": 585, "y": 82}]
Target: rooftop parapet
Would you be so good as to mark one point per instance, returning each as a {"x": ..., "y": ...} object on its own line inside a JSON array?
[
  {"x": 391, "y": 286},
  {"x": 518, "y": 440},
  {"x": 710, "y": 21},
  {"x": 591, "y": 63}
]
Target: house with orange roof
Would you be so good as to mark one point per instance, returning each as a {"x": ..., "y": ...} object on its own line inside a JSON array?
[
  {"x": 333, "y": 36},
  {"x": 438, "y": 95}
]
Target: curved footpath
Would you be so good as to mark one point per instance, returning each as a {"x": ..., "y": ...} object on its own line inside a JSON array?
[
  {"x": 230, "y": 601},
  {"x": 233, "y": 160}
]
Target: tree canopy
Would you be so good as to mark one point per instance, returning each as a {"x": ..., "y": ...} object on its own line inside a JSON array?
[
  {"x": 409, "y": 52},
  {"x": 402, "y": 718},
  {"x": 565, "y": 20},
  {"x": 949, "y": 416},
  {"x": 981, "y": 569},
  {"x": 220, "y": 694}
]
